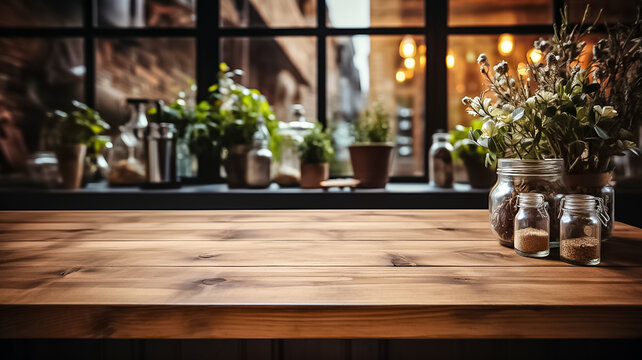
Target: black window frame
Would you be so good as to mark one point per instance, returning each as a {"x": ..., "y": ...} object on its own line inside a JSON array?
[{"x": 208, "y": 33}]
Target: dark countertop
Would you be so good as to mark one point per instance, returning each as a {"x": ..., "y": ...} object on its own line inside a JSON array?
[{"x": 98, "y": 196}]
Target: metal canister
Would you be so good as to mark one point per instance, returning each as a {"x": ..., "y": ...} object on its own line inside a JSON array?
[{"x": 160, "y": 150}]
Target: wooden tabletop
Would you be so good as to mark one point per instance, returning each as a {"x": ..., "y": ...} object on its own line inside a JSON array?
[{"x": 302, "y": 274}]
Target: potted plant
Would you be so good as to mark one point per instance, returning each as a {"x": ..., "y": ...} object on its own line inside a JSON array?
[
  {"x": 316, "y": 153},
  {"x": 472, "y": 156},
  {"x": 237, "y": 109},
  {"x": 371, "y": 154},
  {"x": 68, "y": 135}
]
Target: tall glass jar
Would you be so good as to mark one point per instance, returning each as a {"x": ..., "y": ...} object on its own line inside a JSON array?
[
  {"x": 532, "y": 224},
  {"x": 440, "y": 166},
  {"x": 580, "y": 228},
  {"x": 598, "y": 185},
  {"x": 127, "y": 159},
  {"x": 259, "y": 158},
  {"x": 287, "y": 168},
  {"x": 516, "y": 176}
]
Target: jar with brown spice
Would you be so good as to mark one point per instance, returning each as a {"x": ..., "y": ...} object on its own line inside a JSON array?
[
  {"x": 440, "y": 166},
  {"x": 532, "y": 224},
  {"x": 517, "y": 176},
  {"x": 581, "y": 219}
]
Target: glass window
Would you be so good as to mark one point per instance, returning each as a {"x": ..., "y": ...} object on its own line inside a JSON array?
[
  {"x": 365, "y": 70},
  {"x": 495, "y": 12},
  {"x": 375, "y": 13},
  {"x": 464, "y": 78},
  {"x": 157, "y": 68},
  {"x": 270, "y": 13},
  {"x": 146, "y": 13},
  {"x": 46, "y": 13},
  {"x": 284, "y": 69},
  {"x": 612, "y": 11},
  {"x": 37, "y": 76}
]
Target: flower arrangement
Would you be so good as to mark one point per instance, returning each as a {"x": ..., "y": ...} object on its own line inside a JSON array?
[{"x": 562, "y": 109}]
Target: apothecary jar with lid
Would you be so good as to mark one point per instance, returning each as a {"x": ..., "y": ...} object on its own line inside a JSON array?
[
  {"x": 581, "y": 219},
  {"x": 516, "y": 176}
]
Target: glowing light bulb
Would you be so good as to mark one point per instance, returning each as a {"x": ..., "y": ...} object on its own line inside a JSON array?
[
  {"x": 409, "y": 63},
  {"x": 422, "y": 61},
  {"x": 400, "y": 76},
  {"x": 450, "y": 60},
  {"x": 534, "y": 55},
  {"x": 408, "y": 47},
  {"x": 522, "y": 69},
  {"x": 505, "y": 44},
  {"x": 409, "y": 74}
]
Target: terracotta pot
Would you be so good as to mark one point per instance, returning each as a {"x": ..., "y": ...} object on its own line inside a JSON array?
[
  {"x": 235, "y": 166},
  {"x": 371, "y": 164},
  {"x": 71, "y": 161},
  {"x": 479, "y": 176},
  {"x": 313, "y": 174}
]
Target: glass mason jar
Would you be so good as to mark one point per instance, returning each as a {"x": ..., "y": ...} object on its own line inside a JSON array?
[
  {"x": 287, "y": 169},
  {"x": 516, "y": 176},
  {"x": 440, "y": 166},
  {"x": 581, "y": 217},
  {"x": 532, "y": 225},
  {"x": 598, "y": 185}
]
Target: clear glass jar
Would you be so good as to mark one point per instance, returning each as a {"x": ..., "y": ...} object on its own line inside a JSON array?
[
  {"x": 532, "y": 225},
  {"x": 440, "y": 165},
  {"x": 598, "y": 185},
  {"x": 516, "y": 176},
  {"x": 581, "y": 219},
  {"x": 127, "y": 159},
  {"x": 287, "y": 168}
]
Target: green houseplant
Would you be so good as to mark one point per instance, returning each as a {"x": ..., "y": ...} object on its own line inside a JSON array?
[
  {"x": 237, "y": 109},
  {"x": 472, "y": 155},
  {"x": 316, "y": 153},
  {"x": 69, "y": 134},
  {"x": 370, "y": 155}
]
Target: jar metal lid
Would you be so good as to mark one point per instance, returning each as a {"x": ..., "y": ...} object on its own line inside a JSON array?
[
  {"x": 530, "y": 199},
  {"x": 584, "y": 204},
  {"x": 530, "y": 167}
]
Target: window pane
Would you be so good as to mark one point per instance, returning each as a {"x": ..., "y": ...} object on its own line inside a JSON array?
[
  {"x": 496, "y": 12},
  {"x": 375, "y": 13},
  {"x": 464, "y": 78},
  {"x": 284, "y": 69},
  {"x": 157, "y": 68},
  {"x": 32, "y": 13},
  {"x": 613, "y": 11},
  {"x": 38, "y": 76},
  {"x": 366, "y": 70},
  {"x": 146, "y": 13},
  {"x": 270, "y": 13}
]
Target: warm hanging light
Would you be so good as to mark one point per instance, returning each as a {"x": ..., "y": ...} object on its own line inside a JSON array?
[
  {"x": 506, "y": 44},
  {"x": 408, "y": 47},
  {"x": 450, "y": 60},
  {"x": 409, "y": 63},
  {"x": 409, "y": 73},
  {"x": 422, "y": 61},
  {"x": 522, "y": 69},
  {"x": 534, "y": 55},
  {"x": 400, "y": 76}
]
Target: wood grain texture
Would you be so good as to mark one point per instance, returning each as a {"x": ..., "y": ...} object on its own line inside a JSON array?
[{"x": 301, "y": 274}]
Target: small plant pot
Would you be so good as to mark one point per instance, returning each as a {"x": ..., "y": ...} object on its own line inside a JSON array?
[
  {"x": 313, "y": 174},
  {"x": 479, "y": 176},
  {"x": 71, "y": 161},
  {"x": 236, "y": 165},
  {"x": 371, "y": 164}
]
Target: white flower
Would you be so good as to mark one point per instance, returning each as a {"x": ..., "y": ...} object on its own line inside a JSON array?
[
  {"x": 546, "y": 96},
  {"x": 466, "y": 100},
  {"x": 501, "y": 68},
  {"x": 530, "y": 102},
  {"x": 488, "y": 129},
  {"x": 605, "y": 112},
  {"x": 508, "y": 108},
  {"x": 482, "y": 59}
]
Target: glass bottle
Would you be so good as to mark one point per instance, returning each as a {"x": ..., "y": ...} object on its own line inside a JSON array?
[
  {"x": 441, "y": 162},
  {"x": 259, "y": 158},
  {"x": 581, "y": 217},
  {"x": 127, "y": 159},
  {"x": 516, "y": 176},
  {"x": 532, "y": 224}
]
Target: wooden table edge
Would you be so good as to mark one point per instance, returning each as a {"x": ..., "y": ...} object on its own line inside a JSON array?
[{"x": 319, "y": 321}]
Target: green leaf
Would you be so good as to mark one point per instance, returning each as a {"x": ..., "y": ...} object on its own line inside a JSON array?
[
  {"x": 518, "y": 114},
  {"x": 601, "y": 133}
]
